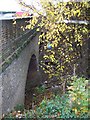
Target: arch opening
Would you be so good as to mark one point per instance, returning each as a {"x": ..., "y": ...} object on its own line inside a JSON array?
[{"x": 31, "y": 82}]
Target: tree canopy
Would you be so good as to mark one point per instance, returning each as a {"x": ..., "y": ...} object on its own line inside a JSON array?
[{"x": 64, "y": 33}]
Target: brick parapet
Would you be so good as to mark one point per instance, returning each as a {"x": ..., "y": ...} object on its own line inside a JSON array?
[
  {"x": 10, "y": 32},
  {"x": 13, "y": 37}
]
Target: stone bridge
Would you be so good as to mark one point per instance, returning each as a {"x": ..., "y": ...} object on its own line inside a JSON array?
[{"x": 19, "y": 62}]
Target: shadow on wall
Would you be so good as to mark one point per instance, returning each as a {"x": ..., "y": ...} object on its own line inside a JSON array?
[
  {"x": 32, "y": 73},
  {"x": 33, "y": 80}
]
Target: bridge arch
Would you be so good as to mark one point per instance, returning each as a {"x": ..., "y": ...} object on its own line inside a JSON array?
[{"x": 31, "y": 80}]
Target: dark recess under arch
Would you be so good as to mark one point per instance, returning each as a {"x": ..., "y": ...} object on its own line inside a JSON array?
[{"x": 31, "y": 81}]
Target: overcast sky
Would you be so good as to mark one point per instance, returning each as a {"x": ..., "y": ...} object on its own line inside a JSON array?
[
  {"x": 9, "y": 5},
  {"x": 12, "y": 5}
]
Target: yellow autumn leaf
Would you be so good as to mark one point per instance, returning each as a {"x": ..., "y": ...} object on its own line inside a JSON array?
[
  {"x": 73, "y": 99},
  {"x": 71, "y": 88},
  {"x": 75, "y": 109}
]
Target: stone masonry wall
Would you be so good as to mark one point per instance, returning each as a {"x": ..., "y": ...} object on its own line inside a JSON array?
[
  {"x": 10, "y": 34},
  {"x": 14, "y": 77},
  {"x": 0, "y": 75}
]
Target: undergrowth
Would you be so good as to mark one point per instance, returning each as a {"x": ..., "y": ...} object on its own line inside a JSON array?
[{"x": 73, "y": 104}]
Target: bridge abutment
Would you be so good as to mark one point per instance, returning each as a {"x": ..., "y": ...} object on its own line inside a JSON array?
[{"x": 15, "y": 75}]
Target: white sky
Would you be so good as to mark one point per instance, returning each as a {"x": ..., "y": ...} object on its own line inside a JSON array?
[
  {"x": 9, "y": 5},
  {"x": 12, "y": 5}
]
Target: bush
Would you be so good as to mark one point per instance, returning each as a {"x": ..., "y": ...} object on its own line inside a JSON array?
[
  {"x": 73, "y": 104},
  {"x": 78, "y": 96},
  {"x": 57, "y": 107}
]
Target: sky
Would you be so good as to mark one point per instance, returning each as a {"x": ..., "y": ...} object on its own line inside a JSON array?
[
  {"x": 9, "y": 5},
  {"x": 12, "y": 5}
]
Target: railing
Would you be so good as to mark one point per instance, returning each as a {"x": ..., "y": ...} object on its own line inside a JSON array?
[{"x": 75, "y": 21}]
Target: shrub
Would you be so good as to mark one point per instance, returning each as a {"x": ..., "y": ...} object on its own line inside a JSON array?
[
  {"x": 73, "y": 104},
  {"x": 78, "y": 96}
]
